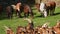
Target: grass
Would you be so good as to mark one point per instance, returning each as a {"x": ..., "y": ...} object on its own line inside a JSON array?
[{"x": 13, "y": 23}]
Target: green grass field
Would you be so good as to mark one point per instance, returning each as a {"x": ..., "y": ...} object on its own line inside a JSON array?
[{"x": 13, "y": 23}]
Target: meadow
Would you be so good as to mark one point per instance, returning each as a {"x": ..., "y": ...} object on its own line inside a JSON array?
[{"x": 15, "y": 21}]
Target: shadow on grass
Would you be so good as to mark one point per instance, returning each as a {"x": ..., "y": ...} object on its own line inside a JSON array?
[
  {"x": 40, "y": 16},
  {"x": 56, "y": 13}
]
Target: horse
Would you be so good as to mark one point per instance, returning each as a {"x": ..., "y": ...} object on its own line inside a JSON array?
[
  {"x": 41, "y": 8},
  {"x": 45, "y": 8},
  {"x": 50, "y": 7},
  {"x": 17, "y": 8},
  {"x": 9, "y": 11},
  {"x": 27, "y": 11}
]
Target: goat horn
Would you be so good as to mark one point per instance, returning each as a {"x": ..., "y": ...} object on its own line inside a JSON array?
[{"x": 29, "y": 20}]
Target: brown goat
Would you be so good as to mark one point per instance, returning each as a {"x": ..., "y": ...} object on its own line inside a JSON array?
[
  {"x": 57, "y": 28},
  {"x": 8, "y": 30}
]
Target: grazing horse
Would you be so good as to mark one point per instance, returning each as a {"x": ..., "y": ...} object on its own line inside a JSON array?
[
  {"x": 46, "y": 8},
  {"x": 27, "y": 10},
  {"x": 41, "y": 8}
]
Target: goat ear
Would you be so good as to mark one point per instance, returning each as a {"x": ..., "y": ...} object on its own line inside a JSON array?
[
  {"x": 58, "y": 22},
  {"x": 7, "y": 28},
  {"x": 46, "y": 24}
]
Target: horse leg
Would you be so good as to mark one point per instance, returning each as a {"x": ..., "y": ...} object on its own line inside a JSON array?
[
  {"x": 11, "y": 12},
  {"x": 53, "y": 8},
  {"x": 18, "y": 13},
  {"x": 8, "y": 14},
  {"x": 41, "y": 14},
  {"x": 45, "y": 13},
  {"x": 51, "y": 12},
  {"x": 31, "y": 14},
  {"x": 25, "y": 15},
  {"x": 28, "y": 14}
]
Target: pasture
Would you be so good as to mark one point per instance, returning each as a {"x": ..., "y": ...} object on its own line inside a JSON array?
[{"x": 15, "y": 21}]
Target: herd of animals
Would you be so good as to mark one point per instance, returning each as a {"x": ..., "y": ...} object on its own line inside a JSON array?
[
  {"x": 44, "y": 8},
  {"x": 30, "y": 29}
]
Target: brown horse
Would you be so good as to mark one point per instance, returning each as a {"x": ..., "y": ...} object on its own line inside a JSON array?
[
  {"x": 50, "y": 7},
  {"x": 27, "y": 10},
  {"x": 22, "y": 7},
  {"x": 9, "y": 11}
]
